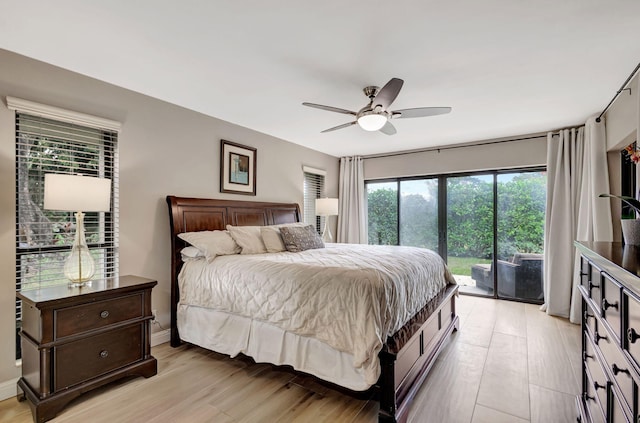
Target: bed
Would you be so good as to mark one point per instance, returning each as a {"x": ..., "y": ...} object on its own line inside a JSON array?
[{"x": 404, "y": 358}]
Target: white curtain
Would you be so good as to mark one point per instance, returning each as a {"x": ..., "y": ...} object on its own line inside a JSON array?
[
  {"x": 577, "y": 173},
  {"x": 352, "y": 202}
]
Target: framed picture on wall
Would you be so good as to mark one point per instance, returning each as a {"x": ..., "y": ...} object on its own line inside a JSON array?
[{"x": 237, "y": 168}]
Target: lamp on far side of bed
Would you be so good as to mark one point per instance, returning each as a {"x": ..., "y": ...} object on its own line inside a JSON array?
[
  {"x": 77, "y": 194},
  {"x": 326, "y": 207}
]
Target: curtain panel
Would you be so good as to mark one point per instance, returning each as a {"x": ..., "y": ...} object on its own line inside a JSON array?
[
  {"x": 577, "y": 175},
  {"x": 352, "y": 202}
]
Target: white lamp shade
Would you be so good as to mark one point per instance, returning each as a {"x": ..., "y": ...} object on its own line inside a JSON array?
[
  {"x": 326, "y": 206},
  {"x": 76, "y": 193}
]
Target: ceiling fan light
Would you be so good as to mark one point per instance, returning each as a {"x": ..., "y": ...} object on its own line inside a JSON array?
[{"x": 372, "y": 121}]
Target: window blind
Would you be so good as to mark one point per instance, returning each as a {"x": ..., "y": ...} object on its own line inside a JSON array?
[
  {"x": 313, "y": 188},
  {"x": 44, "y": 237}
]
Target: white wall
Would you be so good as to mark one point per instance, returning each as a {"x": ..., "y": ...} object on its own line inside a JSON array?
[
  {"x": 164, "y": 150},
  {"x": 621, "y": 119},
  {"x": 503, "y": 155}
]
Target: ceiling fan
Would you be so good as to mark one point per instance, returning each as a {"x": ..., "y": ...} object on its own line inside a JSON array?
[{"x": 375, "y": 116}]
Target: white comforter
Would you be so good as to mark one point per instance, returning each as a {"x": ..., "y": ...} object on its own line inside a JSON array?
[{"x": 349, "y": 296}]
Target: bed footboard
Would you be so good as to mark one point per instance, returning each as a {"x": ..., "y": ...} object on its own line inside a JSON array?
[{"x": 408, "y": 356}]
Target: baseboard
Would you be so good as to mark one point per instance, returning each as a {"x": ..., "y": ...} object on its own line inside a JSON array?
[
  {"x": 161, "y": 337},
  {"x": 8, "y": 389}
]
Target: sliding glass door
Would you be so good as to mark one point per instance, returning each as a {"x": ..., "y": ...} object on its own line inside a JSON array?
[
  {"x": 419, "y": 213},
  {"x": 470, "y": 243},
  {"x": 520, "y": 234},
  {"x": 488, "y": 226}
]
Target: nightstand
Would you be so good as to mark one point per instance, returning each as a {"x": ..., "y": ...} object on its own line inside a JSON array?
[{"x": 77, "y": 339}]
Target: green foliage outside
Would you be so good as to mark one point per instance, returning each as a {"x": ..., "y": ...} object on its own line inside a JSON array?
[
  {"x": 521, "y": 208},
  {"x": 383, "y": 217}
]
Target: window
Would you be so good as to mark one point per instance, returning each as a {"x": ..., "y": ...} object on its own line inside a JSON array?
[
  {"x": 44, "y": 237},
  {"x": 313, "y": 188},
  {"x": 479, "y": 222}
]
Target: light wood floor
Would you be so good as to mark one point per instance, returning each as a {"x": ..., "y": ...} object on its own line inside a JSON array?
[{"x": 508, "y": 363}]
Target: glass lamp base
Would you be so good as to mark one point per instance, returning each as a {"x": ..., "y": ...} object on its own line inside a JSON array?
[
  {"x": 79, "y": 267},
  {"x": 326, "y": 233},
  {"x": 79, "y": 284}
]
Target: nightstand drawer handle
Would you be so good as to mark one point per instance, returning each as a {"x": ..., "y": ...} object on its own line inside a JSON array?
[
  {"x": 104, "y": 314},
  {"x": 104, "y": 354}
]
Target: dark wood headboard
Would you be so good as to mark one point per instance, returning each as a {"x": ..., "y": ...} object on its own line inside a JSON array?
[{"x": 201, "y": 214}]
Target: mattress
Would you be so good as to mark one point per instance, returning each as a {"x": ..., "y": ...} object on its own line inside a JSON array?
[{"x": 346, "y": 297}]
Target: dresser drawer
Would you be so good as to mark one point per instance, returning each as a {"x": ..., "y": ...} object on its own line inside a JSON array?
[
  {"x": 618, "y": 414},
  {"x": 595, "y": 286},
  {"x": 632, "y": 326},
  {"x": 611, "y": 304},
  {"x": 584, "y": 272},
  {"x": 621, "y": 370},
  {"x": 596, "y": 373},
  {"x": 590, "y": 398},
  {"x": 81, "y": 360},
  {"x": 82, "y": 318}
]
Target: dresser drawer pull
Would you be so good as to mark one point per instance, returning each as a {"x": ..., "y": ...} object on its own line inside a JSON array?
[
  {"x": 587, "y": 397},
  {"x": 606, "y": 304},
  {"x": 597, "y": 337},
  {"x": 598, "y": 386},
  {"x": 105, "y": 354},
  {"x": 617, "y": 370},
  {"x": 632, "y": 336},
  {"x": 587, "y": 316},
  {"x": 592, "y": 285},
  {"x": 586, "y": 356}
]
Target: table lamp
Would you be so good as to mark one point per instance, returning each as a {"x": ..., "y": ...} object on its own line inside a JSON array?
[
  {"x": 326, "y": 207},
  {"x": 78, "y": 194}
]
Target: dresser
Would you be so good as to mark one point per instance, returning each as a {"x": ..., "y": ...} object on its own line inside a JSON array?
[
  {"x": 610, "y": 290},
  {"x": 77, "y": 339}
]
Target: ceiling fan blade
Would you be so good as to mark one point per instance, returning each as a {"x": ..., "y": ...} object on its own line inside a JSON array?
[
  {"x": 335, "y": 128},
  {"x": 388, "y": 93},
  {"x": 330, "y": 108},
  {"x": 388, "y": 129},
  {"x": 420, "y": 112}
]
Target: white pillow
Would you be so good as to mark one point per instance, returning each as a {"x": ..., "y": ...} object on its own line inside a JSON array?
[
  {"x": 191, "y": 253},
  {"x": 211, "y": 243},
  {"x": 248, "y": 238},
  {"x": 272, "y": 237}
]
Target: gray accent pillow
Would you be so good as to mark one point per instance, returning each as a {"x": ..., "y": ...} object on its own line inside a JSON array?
[
  {"x": 298, "y": 239},
  {"x": 273, "y": 239}
]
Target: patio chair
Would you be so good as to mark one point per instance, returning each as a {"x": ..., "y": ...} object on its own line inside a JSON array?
[{"x": 520, "y": 277}]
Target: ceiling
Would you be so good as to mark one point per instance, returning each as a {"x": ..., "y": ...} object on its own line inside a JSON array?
[{"x": 505, "y": 67}]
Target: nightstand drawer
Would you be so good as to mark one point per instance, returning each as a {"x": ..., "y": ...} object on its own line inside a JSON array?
[
  {"x": 81, "y": 360},
  {"x": 85, "y": 317}
]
